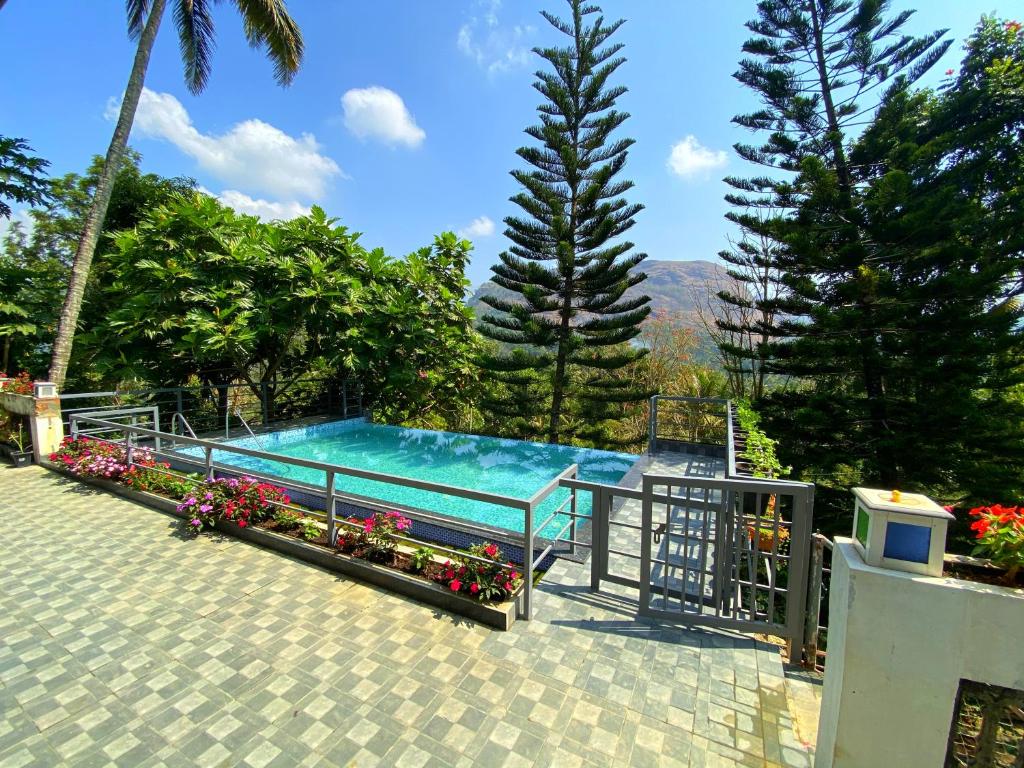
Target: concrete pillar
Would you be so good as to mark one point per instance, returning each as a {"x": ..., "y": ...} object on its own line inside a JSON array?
[
  {"x": 899, "y": 644},
  {"x": 47, "y": 428}
]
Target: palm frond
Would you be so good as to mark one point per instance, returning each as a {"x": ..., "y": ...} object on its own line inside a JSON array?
[
  {"x": 195, "y": 40},
  {"x": 268, "y": 26},
  {"x": 137, "y": 11}
]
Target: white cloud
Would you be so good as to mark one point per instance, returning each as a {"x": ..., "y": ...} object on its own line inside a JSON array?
[
  {"x": 252, "y": 155},
  {"x": 689, "y": 158},
  {"x": 493, "y": 47},
  {"x": 379, "y": 113},
  {"x": 481, "y": 226},
  {"x": 268, "y": 210}
]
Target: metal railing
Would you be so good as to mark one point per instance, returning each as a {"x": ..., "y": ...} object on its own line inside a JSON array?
[
  {"x": 687, "y": 423},
  {"x": 134, "y": 437},
  {"x": 207, "y": 406}
]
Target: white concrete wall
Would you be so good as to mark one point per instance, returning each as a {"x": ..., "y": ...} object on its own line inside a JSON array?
[{"x": 898, "y": 645}]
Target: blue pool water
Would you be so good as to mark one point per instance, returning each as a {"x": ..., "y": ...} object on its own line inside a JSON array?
[{"x": 509, "y": 467}]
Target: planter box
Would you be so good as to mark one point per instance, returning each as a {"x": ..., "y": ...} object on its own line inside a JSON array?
[
  {"x": 497, "y": 615},
  {"x": 19, "y": 459},
  {"x": 898, "y": 646},
  {"x": 22, "y": 405}
]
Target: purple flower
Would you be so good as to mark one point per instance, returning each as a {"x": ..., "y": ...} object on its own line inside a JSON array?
[
  {"x": 208, "y": 497},
  {"x": 205, "y": 508},
  {"x": 196, "y": 522}
]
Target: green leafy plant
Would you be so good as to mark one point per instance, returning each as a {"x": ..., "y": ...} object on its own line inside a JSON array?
[
  {"x": 760, "y": 449},
  {"x": 287, "y": 520},
  {"x": 18, "y": 437},
  {"x": 309, "y": 529},
  {"x": 161, "y": 481},
  {"x": 421, "y": 558}
]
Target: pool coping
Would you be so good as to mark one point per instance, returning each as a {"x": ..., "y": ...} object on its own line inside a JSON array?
[{"x": 497, "y": 615}]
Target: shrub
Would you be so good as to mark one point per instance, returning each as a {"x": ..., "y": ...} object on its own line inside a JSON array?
[
  {"x": 489, "y": 580},
  {"x": 21, "y": 384},
  {"x": 1000, "y": 537},
  {"x": 243, "y": 502},
  {"x": 286, "y": 519},
  {"x": 379, "y": 532},
  {"x": 421, "y": 558},
  {"x": 349, "y": 537},
  {"x": 760, "y": 450},
  {"x": 164, "y": 483},
  {"x": 310, "y": 530},
  {"x": 87, "y": 457}
]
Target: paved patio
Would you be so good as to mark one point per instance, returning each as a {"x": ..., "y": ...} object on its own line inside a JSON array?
[{"x": 124, "y": 644}]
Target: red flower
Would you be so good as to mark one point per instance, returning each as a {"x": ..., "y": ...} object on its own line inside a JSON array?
[
  {"x": 949, "y": 71},
  {"x": 449, "y": 574},
  {"x": 474, "y": 588},
  {"x": 242, "y": 523},
  {"x": 455, "y": 586},
  {"x": 491, "y": 550}
]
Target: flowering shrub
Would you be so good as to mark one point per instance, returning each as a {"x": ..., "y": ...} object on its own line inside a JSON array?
[
  {"x": 378, "y": 534},
  {"x": 1000, "y": 534},
  {"x": 87, "y": 457},
  {"x": 489, "y": 580},
  {"x": 160, "y": 482},
  {"x": 21, "y": 384},
  {"x": 241, "y": 501},
  {"x": 349, "y": 537}
]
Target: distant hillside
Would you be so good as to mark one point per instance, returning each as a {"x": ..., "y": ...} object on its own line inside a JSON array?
[{"x": 670, "y": 284}]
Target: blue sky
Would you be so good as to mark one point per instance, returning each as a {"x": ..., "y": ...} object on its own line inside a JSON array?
[{"x": 406, "y": 115}]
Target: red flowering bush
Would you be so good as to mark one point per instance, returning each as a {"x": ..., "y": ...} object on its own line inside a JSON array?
[
  {"x": 485, "y": 579},
  {"x": 349, "y": 537},
  {"x": 21, "y": 384},
  {"x": 87, "y": 457},
  {"x": 379, "y": 531},
  {"x": 241, "y": 501},
  {"x": 1000, "y": 534}
]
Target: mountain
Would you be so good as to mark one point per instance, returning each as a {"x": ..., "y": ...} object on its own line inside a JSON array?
[{"x": 672, "y": 286}]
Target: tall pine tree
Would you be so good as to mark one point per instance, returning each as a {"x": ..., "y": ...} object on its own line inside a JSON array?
[
  {"x": 570, "y": 320},
  {"x": 821, "y": 68}
]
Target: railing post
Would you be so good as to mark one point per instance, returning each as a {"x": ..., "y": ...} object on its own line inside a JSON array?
[
  {"x": 528, "y": 562},
  {"x": 652, "y": 425},
  {"x": 572, "y": 519},
  {"x": 329, "y": 498},
  {"x": 814, "y": 601},
  {"x": 598, "y": 536},
  {"x": 128, "y": 447},
  {"x": 209, "y": 462}
]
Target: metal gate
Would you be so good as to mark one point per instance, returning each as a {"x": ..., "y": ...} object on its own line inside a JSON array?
[{"x": 730, "y": 553}]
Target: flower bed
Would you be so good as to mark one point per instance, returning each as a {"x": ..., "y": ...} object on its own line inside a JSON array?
[
  {"x": 999, "y": 535},
  {"x": 263, "y": 513}
]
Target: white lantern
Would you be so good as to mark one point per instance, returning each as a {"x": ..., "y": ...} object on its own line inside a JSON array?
[
  {"x": 902, "y": 531},
  {"x": 45, "y": 389}
]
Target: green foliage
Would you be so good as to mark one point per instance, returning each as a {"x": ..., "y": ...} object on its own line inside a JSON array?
[
  {"x": 569, "y": 322},
  {"x": 898, "y": 249},
  {"x": 21, "y": 175},
  {"x": 287, "y": 520},
  {"x": 421, "y": 558},
  {"x": 310, "y": 530},
  {"x": 34, "y": 267},
  {"x": 760, "y": 449}
]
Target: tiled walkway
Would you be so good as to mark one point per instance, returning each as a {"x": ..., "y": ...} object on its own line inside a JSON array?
[{"x": 123, "y": 644}]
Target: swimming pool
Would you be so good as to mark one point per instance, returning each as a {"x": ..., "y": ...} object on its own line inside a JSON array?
[{"x": 510, "y": 467}]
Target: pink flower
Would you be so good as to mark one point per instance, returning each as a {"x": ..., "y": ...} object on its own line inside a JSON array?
[
  {"x": 949, "y": 71},
  {"x": 474, "y": 588},
  {"x": 455, "y": 586}
]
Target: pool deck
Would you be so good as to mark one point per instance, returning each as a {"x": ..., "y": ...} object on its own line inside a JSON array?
[{"x": 125, "y": 643}]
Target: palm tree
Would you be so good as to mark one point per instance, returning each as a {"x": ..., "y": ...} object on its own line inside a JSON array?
[{"x": 267, "y": 26}]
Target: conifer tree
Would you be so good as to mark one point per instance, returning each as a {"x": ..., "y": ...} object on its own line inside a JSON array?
[
  {"x": 571, "y": 319},
  {"x": 821, "y": 68}
]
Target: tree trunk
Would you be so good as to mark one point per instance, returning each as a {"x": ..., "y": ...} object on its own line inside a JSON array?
[
  {"x": 101, "y": 199},
  {"x": 7, "y": 356}
]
